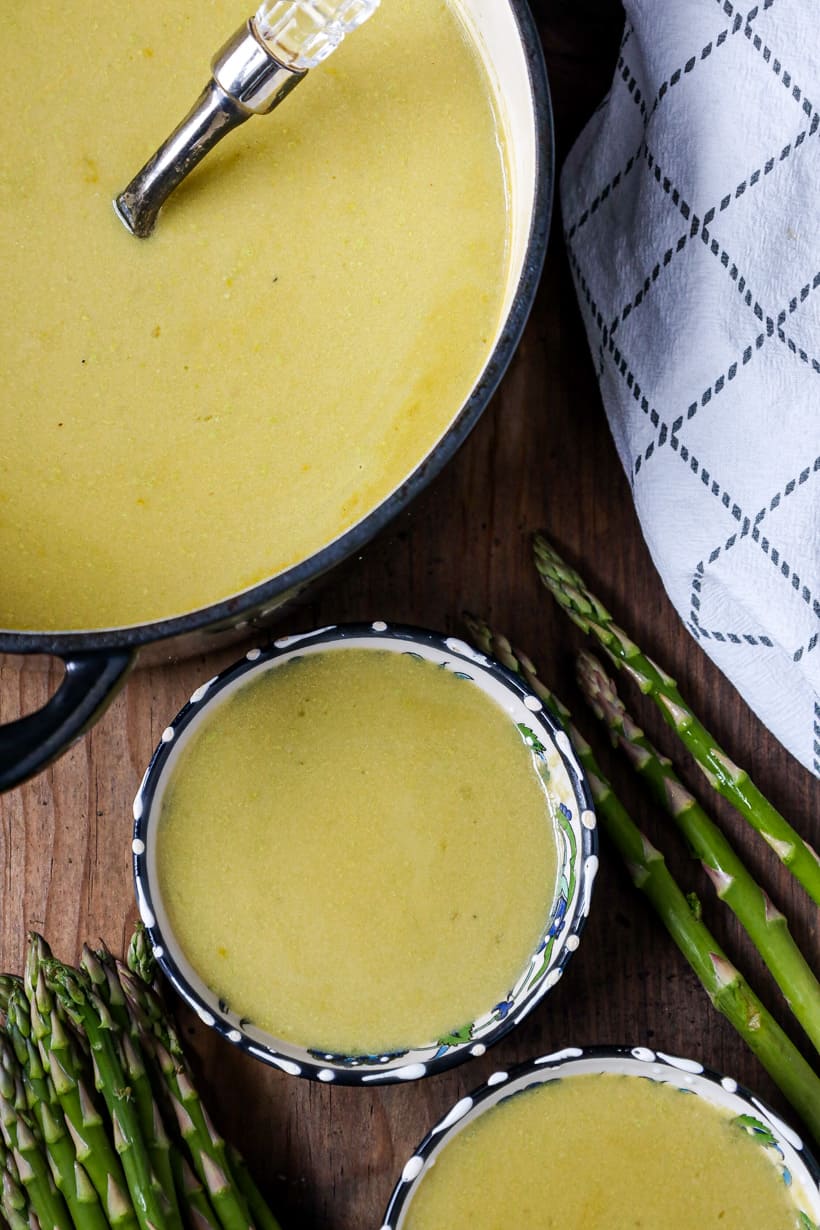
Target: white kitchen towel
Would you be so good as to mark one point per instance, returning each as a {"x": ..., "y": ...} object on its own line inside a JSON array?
[{"x": 691, "y": 210}]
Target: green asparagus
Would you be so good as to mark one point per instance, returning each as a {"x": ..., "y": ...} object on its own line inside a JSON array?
[
  {"x": 68, "y": 1173},
  {"x": 766, "y": 926},
  {"x": 727, "y": 989},
  {"x": 25, "y": 1146},
  {"x": 86, "y": 1011},
  {"x": 109, "y": 989},
  {"x": 141, "y": 1153},
  {"x": 734, "y": 783}
]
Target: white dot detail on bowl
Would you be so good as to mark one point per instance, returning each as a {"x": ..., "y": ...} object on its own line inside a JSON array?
[
  {"x": 201, "y": 692},
  {"x": 412, "y": 1169},
  {"x": 729, "y": 1084},
  {"x": 572, "y": 942},
  {"x": 168, "y": 734},
  {"x": 234, "y": 1035},
  {"x": 159, "y": 952},
  {"x": 253, "y": 655},
  {"x": 137, "y": 808},
  {"x": 326, "y": 1075},
  {"x": 569, "y": 1052},
  {"x": 206, "y": 1018},
  {"x": 533, "y": 704},
  {"x": 497, "y": 1078},
  {"x": 588, "y": 819},
  {"x": 286, "y": 1065},
  {"x": 779, "y": 1126},
  {"x": 379, "y": 625},
  {"x": 458, "y": 1112},
  {"x": 478, "y": 1049},
  {"x": 682, "y": 1065},
  {"x": 138, "y": 846},
  {"x": 643, "y": 1053},
  {"x": 146, "y": 914}
]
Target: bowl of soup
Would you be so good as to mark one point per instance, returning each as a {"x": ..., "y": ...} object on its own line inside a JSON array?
[
  {"x": 364, "y": 854},
  {"x": 611, "y": 1137},
  {"x": 201, "y": 423}
]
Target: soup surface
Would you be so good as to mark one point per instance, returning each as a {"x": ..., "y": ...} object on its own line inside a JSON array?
[
  {"x": 603, "y": 1153},
  {"x": 187, "y": 415},
  {"x": 356, "y": 851}
]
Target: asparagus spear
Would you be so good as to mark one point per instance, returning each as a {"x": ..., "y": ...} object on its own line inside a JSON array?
[
  {"x": 207, "y": 1149},
  {"x": 766, "y": 926},
  {"x": 725, "y": 986},
  {"x": 734, "y": 783},
  {"x": 68, "y": 1173},
  {"x": 8, "y": 982},
  {"x": 109, "y": 989},
  {"x": 63, "y": 1060},
  {"x": 205, "y": 1146},
  {"x": 263, "y": 1218},
  {"x": 25, "y": 1147},
  {"x": 200, "y": 1214},
  {"x": 86, "y": 1011},
  {"x": 140, "y": 958},
  {"x": 13, "y": 1199}
]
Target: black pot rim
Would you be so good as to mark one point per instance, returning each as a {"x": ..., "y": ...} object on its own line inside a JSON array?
[
  {"x": 231, "y": 610},
  {"x": 534, "y": 1068},
  {"x": 417, "y": 1061}
]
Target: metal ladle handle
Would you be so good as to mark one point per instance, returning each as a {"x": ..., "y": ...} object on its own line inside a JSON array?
[{"x": 247, "y": 80}]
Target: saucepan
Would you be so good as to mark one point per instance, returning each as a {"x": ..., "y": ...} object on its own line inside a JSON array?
[{"x": 98, "y": 660}]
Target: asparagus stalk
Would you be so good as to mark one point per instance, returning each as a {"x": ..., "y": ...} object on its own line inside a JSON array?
[
  {"x": 263, "y": 1218},
  {"x": 200, "y": 1214},
  {"x": 68, "y": 1173},
  {"x": 66, "y": 1065},
  {"x": 25, "y": 1146},
  {"x": 734, "y": 783},
  {"x": 140, "y": 958},
  {"x": 107, "y": 984},
  {"x": 727, "y": 989},
  {"x": 86, "y": 1011},
  {"x": 766, "y": 926},
  {"x": 206, "y": 1148},
  {"x": 13, "y": 1199}
]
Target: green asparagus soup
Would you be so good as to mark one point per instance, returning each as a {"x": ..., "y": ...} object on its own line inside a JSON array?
[
  {"x": 356, "y": 851},
  {"x": 603, "y": 1152}
]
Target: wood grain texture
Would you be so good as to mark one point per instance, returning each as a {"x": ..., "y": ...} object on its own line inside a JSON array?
[{"x": 542, "y": 457}]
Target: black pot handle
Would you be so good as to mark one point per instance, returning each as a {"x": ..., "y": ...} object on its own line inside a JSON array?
[{"x": 91, "y": 682}]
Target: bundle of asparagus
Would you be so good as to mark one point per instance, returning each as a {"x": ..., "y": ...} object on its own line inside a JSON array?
[
  {"x": 100, "y": 1122},
  {"x": 725, "y": 985}
]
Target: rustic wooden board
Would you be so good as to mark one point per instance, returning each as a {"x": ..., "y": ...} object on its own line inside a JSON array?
[{"x": 541, "y": 457}]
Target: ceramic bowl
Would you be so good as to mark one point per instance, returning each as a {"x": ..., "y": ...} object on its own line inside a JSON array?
[
  {"x": 576, "y": 839},
  {"x": 795, "y": 1164}
]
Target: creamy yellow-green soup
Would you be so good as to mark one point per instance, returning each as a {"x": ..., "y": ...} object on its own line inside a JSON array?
[
  {"x": 187, "y": 415},
  {"x": 603, "y": 1152},
  {"x": 356, "y": 851}
]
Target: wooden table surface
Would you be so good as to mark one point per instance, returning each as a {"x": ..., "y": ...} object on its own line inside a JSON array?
[{"x": 542, "y": 457}]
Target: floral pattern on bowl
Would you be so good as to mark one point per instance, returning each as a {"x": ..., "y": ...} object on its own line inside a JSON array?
[{"x": 572, "y": 815}]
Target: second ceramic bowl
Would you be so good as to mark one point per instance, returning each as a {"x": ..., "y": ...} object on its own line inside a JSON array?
[{"x": 569, "y": 811}]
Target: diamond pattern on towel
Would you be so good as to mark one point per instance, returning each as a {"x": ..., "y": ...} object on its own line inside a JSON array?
[{"x": 689, "y": 206}]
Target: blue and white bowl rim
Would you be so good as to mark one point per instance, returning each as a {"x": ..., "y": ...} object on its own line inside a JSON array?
[
  {"x": 638, "y": 1061},
  {"x": 393, "y": 1066}
]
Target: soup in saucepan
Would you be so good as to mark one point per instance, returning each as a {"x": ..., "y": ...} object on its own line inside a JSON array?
[{"x": 187, "y": 415}]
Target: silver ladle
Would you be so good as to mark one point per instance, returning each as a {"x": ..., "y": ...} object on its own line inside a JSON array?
[{"x": 250, "y": 75}]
